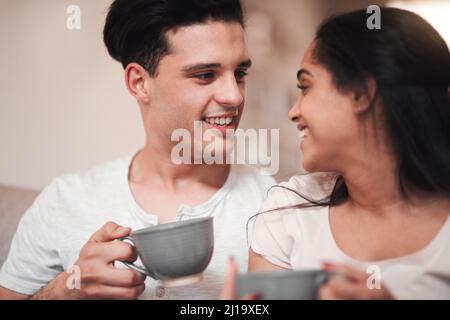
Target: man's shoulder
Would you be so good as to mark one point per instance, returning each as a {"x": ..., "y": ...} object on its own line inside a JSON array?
[
  {"x": 250, "y": 185},
  {"x": 100, "y": 177},
  {"x": 249, "y": 175}
]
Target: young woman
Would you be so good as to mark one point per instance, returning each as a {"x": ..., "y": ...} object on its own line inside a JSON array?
[{"x": 374, "y": 116}]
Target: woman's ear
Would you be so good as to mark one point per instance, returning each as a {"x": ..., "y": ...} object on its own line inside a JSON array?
[
  {"x": 137, "y": 81},
  {"x": 365, "y": 97}
]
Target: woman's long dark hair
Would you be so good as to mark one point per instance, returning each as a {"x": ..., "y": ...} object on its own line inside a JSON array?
[{"x": 410, "y": 63}]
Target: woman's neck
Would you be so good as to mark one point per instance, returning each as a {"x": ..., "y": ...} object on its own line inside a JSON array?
[{"x": 374, "y": 188}]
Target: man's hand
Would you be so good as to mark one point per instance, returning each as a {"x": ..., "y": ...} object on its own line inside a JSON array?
[
  {"x": 352, "y": 285},
  {"x": 99, "y": 278}
]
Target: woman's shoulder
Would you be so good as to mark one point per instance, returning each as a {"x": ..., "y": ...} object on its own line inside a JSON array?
[
  {"x": 295, "y": 211},
  {"x": 302, "y": 197},
  {"x": 301, "y": 189},
  {"x": 317, "y": 183}
]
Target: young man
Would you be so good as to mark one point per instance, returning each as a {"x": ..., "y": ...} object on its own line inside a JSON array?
[{"x": 185, "y": 61}]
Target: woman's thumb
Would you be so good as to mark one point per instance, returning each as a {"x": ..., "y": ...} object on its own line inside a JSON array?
[{"x": 229, "y": 288}]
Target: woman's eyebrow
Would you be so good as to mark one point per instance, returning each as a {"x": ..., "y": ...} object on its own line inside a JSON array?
[{"x": 303, "y": 71}]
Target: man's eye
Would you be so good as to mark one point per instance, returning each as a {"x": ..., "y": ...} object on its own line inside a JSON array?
[
  {"x": 205, "y": 76},
  {"x": 241, "y": 74}
]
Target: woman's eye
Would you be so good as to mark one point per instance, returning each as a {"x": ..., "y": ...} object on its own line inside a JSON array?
[{"x": 303, "y": 88}]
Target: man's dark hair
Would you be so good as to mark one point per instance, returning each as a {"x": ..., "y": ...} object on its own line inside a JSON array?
[{"x": 135, "y": 30}]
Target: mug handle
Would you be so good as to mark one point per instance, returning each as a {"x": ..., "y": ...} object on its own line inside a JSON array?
[{"x": 132, "y": 265}]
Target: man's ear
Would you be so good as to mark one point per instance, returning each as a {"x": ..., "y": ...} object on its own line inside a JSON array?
[
  {"x": 365, "y": 97},
  {"x": 137, "y": 80}
]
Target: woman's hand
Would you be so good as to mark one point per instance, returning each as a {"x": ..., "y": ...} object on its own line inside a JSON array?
[
  {"x": 229, "y": 288},
  {"x": 352, "y": 285}
]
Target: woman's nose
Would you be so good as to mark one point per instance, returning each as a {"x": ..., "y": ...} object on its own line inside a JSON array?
[{"x": 294, "y": 113}]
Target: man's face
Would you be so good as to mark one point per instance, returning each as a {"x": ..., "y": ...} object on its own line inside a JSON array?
[{"x": 202, "y": 79}]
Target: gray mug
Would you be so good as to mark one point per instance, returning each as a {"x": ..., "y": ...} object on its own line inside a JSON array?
[
  {"x": 176, "y": 253},
  {"x": 282, "y": 285}
]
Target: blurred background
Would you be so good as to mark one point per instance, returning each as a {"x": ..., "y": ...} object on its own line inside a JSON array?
[{"x": 64, "y": 106}]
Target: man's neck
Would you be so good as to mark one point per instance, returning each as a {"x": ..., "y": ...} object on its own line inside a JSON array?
[
  {"x": 156, "y": 169},
  {"x": 161, "y": 187}
]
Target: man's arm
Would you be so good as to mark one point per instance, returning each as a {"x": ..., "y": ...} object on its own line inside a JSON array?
[
  {"x": 6, "y": 294},
  {"x": 98, "y": 277},
  {"x": 55, "y": 290}
]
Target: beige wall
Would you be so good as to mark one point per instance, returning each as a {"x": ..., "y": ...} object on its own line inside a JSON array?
[{"x": 64, "y": 107}]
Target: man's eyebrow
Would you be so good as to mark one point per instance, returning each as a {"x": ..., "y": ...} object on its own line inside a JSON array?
[
  {"x": 303, "y": 71},
  {"x": 245, "y": 64},
  {"x": 200, "y": 66},
  {"x": 203, "y": 66}
]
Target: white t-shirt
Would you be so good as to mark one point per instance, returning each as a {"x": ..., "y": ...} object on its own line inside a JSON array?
[
  {"x": 65, "y": 215},
  {"x": 302, "y": 239}
]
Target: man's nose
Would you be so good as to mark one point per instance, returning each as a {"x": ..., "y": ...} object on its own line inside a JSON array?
[{"x": 230, "y": 93}]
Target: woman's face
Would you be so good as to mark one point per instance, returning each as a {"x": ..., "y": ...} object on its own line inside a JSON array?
[{"x": 326, "y": 118}]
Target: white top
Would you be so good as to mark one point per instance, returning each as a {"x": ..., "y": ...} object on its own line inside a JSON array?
[
  {"x": 302, "y": 239},
  {"x": 65, "y": 215}
]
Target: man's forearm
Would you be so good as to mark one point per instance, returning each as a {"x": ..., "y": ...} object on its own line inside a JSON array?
[{"x": 55, "y": 290}]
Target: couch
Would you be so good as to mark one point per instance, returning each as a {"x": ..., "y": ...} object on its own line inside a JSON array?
[{"x": 13, "y": 204}]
